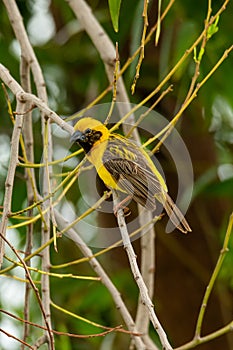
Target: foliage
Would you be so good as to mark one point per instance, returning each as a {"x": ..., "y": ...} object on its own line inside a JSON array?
[{"x": 189, "y": 55}]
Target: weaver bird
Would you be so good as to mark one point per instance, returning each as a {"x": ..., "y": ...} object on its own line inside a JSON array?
[{"x": 124, "y": 166}]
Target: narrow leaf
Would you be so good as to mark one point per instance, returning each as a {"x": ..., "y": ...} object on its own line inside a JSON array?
[
  {"x": 158, "y": 23},
  {"x": 114, "y": 8}
]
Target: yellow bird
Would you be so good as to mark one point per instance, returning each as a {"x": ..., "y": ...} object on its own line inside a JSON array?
[{"x": 125, "y": 167}]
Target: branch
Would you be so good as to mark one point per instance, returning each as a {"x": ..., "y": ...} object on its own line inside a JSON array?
[
  {"x": 107, "y": 53},
  {"x": 138, "y": 278},
  {"x": 25, "y": 45},
  {"x": 30, "y": 183},
  {"x": 100, "y": 40},
  {"x": 10, "y": 175},
  {"x": 214, "y": 276},
  {"x": 198, "y": 339},
  {"x": 201, "y": 340},
  {"x": 29, "y": 56},
  {"x": 17, "y": 339},
  {"x": 23, "y": 96},
  {"x": 120, "y": 305},
  {"x": 35, "y": 289},
  {"x": 148, "y": 272}
]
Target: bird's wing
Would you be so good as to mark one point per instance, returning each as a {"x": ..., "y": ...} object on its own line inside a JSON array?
[{"x": 129, "y": 168}]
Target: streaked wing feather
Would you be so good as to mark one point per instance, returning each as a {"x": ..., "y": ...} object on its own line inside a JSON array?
[
  {"x": 133, "y": 176},
  {"x": 130, "y": 169},
  {"x": 175, "y": 215}
]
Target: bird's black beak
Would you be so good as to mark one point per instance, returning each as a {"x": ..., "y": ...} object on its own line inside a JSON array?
[{"x": 77, "y": 136}]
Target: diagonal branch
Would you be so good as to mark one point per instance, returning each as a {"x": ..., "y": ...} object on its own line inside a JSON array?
[
  {"x": 23, "y": 96},
  {"x": 138, "y": 278},
  {"x": 120, "y": 305}
]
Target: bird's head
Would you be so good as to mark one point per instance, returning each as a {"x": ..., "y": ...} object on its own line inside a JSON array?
[{"x": 89, "y": 132}]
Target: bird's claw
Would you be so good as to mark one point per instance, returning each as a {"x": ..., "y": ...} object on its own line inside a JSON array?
[{"x": 126, "y": 210}]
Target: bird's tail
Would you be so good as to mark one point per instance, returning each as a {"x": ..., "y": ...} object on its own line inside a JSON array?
[{"x": 175, "y": 215}]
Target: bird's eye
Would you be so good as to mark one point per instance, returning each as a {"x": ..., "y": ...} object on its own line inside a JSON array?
[{"x": 88, "y": 131}]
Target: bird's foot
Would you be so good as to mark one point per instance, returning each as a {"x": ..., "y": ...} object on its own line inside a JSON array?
[{"x": 121, "y": 205}]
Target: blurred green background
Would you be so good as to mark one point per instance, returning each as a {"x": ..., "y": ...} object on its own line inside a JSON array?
[{"x": 75, "y": 75}]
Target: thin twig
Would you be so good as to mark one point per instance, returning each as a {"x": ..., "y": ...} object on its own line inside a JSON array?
[
  {"x": 15, "y": 338},
  {"x": 114, "y": 97},
  {"x": 109, "y": 329},
  {"x": 107, "y": 53},
  {"x": 143, "y": 115},
  {"x": 52, "y": 274},
  {"x": 202, "y": 48},
  {"x": 41, "y": 341},
  {"x": 124, "y": 68},
  {"x": 35, "y": 289},
  {"x": 214, "y": 276},
  {"x": 168, "y": 128},
  {"x": 173, "y": 70},
  {"x": 198, "y": 339},
  {"x": 201, "y": 340},
  {"x": 142, "y": 46},
  {"x": 23, "y": 96}
]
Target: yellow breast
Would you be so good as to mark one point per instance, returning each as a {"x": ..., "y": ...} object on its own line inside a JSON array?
[{"x": 95, "y": 156}]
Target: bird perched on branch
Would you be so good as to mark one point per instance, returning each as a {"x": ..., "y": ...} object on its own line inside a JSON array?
[{"x": 124, "y": 166}]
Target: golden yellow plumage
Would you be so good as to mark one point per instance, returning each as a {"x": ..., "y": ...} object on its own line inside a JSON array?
[{"x": 124, "y": 166}]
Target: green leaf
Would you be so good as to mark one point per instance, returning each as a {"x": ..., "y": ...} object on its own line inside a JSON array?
[
  {"x": 213, "y": 28},
  {"x": 114, "y": 8}
]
